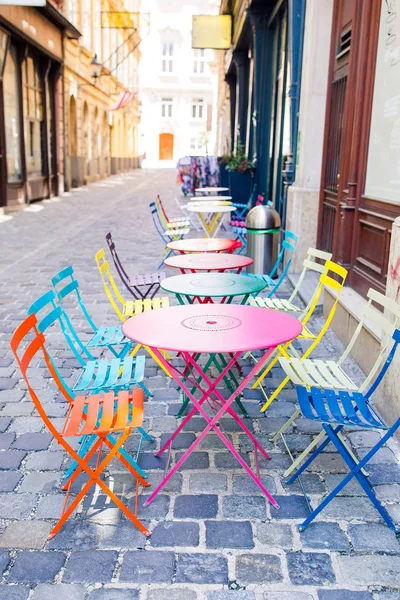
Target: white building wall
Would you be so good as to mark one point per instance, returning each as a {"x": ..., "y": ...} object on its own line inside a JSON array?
[{"x": 171, "y": 22}]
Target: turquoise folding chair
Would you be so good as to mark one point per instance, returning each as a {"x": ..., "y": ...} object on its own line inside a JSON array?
[
  {"x": 242, "y": 209},
  {"x": 336, "y": 410},
  {"x": 288, "y": 247},
  {"x": 167, "y": 236}
]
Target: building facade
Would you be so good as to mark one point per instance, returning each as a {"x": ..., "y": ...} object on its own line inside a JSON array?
[
  {"x": 102, "y": 113},
  {"x": 178, "y": 116},
  {"x": 32, "y": 119}
]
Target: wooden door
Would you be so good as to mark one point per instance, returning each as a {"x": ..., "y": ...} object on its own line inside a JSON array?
[
  {"x": 166, "y": 146},
  {"x": 333, "y": 168}
]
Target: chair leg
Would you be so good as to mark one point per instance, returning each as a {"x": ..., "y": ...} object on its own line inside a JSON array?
[
  {"x": 288, "y": 423},
  {"x": 274, "y": 395}
]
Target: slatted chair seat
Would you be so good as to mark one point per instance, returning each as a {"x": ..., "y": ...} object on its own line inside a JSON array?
[
  {"x": 147, "y": 279},
  {"x": 88, "y": 415},
  {"x": 176, "y": 231},
  {"x": 115, "y": 373},
  {"x": 280, "y": 304},
  {"x": 136, "y": 307},
  {"x": 107, "y": 336},
  {"x": 317, "y": 372}
]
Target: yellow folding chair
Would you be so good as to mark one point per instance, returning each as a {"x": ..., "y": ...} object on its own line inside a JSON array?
[{"x": 131, "y": 308}]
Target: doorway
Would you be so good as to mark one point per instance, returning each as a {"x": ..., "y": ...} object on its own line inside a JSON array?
[{"x": 166, "y": 146}]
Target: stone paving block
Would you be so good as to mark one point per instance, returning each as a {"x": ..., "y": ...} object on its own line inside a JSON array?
[
  {"x": 287, "y": 596},
  {"x": 90, "y": 566},
  {"x": 76, "y": 535},
  {"x": 230, "y": 595},
  {"x": 4, "y": 560},
  {"x": 50, "y": 506},
  {"x": 196, "y": 460},
  {"x": 16, "y": 506},
  {"x": 383, "y": 474},
  {"x": 275, "y": 535},
  {"x": 352, "y": 507},
  {"x": 229, "y": 534},
  {"x": 44, "y": 461},
  {"x": 119, "y": 534},
  {"x": 4, "y": 423},
  {"x": 114, "y": 593},
  {"x": 171, "y": 594},
  {"x": 213, "y": 442},
  {"x": 33, "y": 441},
  {"x": 61, "y": 591},
  {"x": 226, "y": 460},
  {"x": 8, "y": 383},
  {"x": 325, "y": 535},
  {"x": 290, "y": 507},
  {"x": 310, "y": 568},
  {"x": 43, "y": 483},
  {"x": 373, "y": 538},
  {"x": 158, "y": 508},
  {"x": 244, "y": 507},
  {"x": 147, "y": 567},
  {"x": 311, "y": 482},
  {"x": 22, "y": 410},
  {"x": 343, "y": 595},
  {"x": 11, "y": 459},
  {"x": 364, "y": 439},
  {"x": 6, "y": 439},
  {"x": 258, "y": 568},
  {"x": 9, "y": 480},
  {"x": 243, "y": 484},
  {"x": 202, "y": 506},
  {"x": 353, "y": 488},
  {"x": 173, "y": 485},
  {"x": 207, "y": 482},
  {"x": 14, "y": 395},
  {"x": 36, "y": 567},
  {"x": 201, "y": 568},
  {"x": 182, "y": 440},
  {"x": 388, "y": 493},
  {"x": 13, "y": 592},
  {"x": 25, "y": 534},
  {"x": 148, "y": 461},
  {"x": 169, "y": 533}
]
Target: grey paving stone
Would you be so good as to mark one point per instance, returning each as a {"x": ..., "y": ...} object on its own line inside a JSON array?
[
  {"x": 25, "y": 534},
  {"x": 44, "y": 461},
  {"x": 275, "y": 535},
  {"x": 6, "y": 439},
  {"x": 343, "y": 595},
  {"x": 13, "y": 592},
  {"x": 4, "y": 560},
  {"x": 243, "y": 484},
  {"x": 287, "y": 596},
  {"x": 203, "y": 506},
  {"x": 171, "y": 594},
  {"x": 61, "y": 591},
  {"x": 244, "y": 507},
  {"x": 349, "y": 508},
  {"x": 383, "y": 474},
  {"x": 148, "y": 461},
  {"x": 158, "y": 508},
  {"x": 229, "y": 534},
  {"x": 230, "y": 595},
  {"x": 388, "y": 493},
  {"x": 208, "y": 482},
  {"x": 114, "y": 593},
  {"x": 11, "y": 396},
  {"x": 325, "y": 535},
  {"x": 310, "y": 568},
  {"x": 353, "y": 488},
  {"x": 258, "y": 568},
  {"x": 173, "y": 485},
  {"x": 373, "y": 538},
  {"x": 147, "y": 567},
  {"x": 90, "y": 566},
  {"x": 11, "y": 459},
  {"x": 16, "y": 506},
  {"x": 201, "y": 568},
  {"x": 33, "y": 441},
  {"x": 36, "y": 567},
  {"x": 43, "y": 483},
  {"x": 182, "y": 440},
  {"x": 196, "y": 460},
  {"x": 4, "y": 423},
  {"x": 9, "y": 480},
  {"x": 117, "y": 535},
  {"x": 226, "y": 460},
  {"x": 76, "y": 535},
  {"x": 290, "y": 507},
  {"x": 169, "y": 533}
]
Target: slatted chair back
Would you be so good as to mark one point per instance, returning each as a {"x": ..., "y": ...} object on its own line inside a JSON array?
[
  {"x": 288, "y": 247},
  {"x": 388, "y": 321},
  {"x": 161, "y": 209},
  {"x": 157, "y": 224},
  {"x": 110, "y": 287},
  {"x": 123, "y": 275},
  {"x": 310, "y": 264}
]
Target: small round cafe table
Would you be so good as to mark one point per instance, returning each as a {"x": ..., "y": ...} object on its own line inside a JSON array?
[
  {"x": 205, "y": 287},
  {"x": 193, "y": 330},
  {"x": 210, "y": 216},
  {"x": 212, "y": 261},
  {"x": 211, "y": 190},
  {"x": 211, "y": 199},
  {"x": 204, "y": 245}
]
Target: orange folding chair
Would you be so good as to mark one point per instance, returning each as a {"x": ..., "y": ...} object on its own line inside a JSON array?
[{"x": 98, "y": 415}]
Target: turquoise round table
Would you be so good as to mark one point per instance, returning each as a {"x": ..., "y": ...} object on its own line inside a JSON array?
[{"x": 205, "y": 287}]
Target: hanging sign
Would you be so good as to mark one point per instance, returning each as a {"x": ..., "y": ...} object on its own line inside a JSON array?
[
  {"x": 212, "y": 31},
  {"x": 119, "y": 20}
]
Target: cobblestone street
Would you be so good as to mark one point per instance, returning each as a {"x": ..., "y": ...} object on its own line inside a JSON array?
[{"x": 214, "y": 535}]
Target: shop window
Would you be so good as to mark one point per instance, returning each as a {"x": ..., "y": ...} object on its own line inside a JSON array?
[
  {"x": 12, "y": 116},
  {"x": 166, "y": 107},
  {"x": 167, "y": 57},
  {"x": 34, "y": 117},
  {"x": 197, "y": 108},
  {"x": 198, "y": 61}
]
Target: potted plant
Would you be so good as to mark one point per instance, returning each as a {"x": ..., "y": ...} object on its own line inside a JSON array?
[{"x": 241, "y": 171}]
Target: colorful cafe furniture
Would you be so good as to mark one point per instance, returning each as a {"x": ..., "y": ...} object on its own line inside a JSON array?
[
  {"x": 96, "y": 415},
  {"x": 166, "y": 236},
  {"x": 167, "y": 221},
  {"x": 210, "y": 190},
  {"x": 337, "y": 410},
  {"x": 207, "y": 329},
  {"x": 207, "y": 288},
  {"x": 210, "y": 216},
  {"x": 204, "y": 245},
  {"x": 209, "y": 262},
  {"x": 331, "y": 373},
  {"x": 139, "y": 286}
]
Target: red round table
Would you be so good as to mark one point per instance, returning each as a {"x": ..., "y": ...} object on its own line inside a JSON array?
[
  {"x": 211, "y": 329},
  {"x": 204, "y": 245},
  {"x": 213, "y": 261}
]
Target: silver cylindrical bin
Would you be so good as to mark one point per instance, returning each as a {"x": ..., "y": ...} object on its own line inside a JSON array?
[{"x": 263, "y": 224}]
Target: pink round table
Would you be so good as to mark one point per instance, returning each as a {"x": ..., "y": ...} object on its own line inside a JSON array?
[
  {"x": 204, "y": 245},
  {"x": 210, "y": 261},
  {"x": 212, "y": 329}
]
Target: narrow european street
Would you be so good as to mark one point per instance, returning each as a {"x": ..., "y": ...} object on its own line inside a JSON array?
[{"x": 214, "y": 535}]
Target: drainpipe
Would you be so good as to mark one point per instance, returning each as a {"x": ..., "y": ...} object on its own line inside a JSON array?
[{"x": 65, "y": 153}]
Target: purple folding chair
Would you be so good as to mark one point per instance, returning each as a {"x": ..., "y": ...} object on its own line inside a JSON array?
[{"x": 139, "y": 286}]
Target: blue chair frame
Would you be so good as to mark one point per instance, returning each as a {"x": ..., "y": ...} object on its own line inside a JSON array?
[
  {"x": 242, "y": 209},
  {"x": 166, "y": 238},
  {"x": 336, "y": 410}
]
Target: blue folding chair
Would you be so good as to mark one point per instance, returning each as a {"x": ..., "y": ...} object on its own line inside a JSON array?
[
  {"x": 168, "y": 235},
  {"x": 288, "y": 247},
  {"x": 242, "y": 209},
  {"x": 336, "y": 410}
]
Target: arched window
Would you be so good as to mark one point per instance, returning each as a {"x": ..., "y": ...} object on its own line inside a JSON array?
[{"x": 12, "y": 116}]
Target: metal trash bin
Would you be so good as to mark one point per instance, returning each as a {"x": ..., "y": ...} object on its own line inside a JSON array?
[{"x": 262, "y": 223}]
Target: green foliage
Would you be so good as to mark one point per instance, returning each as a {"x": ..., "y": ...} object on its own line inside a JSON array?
[{"x": 238, "y": 161}]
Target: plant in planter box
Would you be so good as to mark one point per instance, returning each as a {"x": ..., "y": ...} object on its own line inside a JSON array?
[{"x": 241, "y": 171}]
